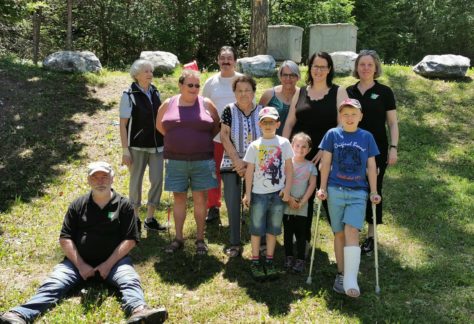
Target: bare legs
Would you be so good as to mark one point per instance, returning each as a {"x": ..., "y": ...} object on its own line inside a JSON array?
[{"x": 179, "y": 213}]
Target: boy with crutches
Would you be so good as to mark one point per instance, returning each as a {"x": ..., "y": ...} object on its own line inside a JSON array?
[{"x": 348, "y": 153}]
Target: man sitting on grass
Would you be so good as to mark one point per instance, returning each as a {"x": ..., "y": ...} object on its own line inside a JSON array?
[{"x": 98, "y": 232}]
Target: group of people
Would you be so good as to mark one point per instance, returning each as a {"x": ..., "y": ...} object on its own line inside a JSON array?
[{"x": 196, "y": 141}]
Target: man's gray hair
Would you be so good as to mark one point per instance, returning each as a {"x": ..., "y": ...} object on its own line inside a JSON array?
[{"x": 138, "y": 66}]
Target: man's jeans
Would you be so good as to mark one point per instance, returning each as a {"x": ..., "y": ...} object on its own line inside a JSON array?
[{"x": 65, "y": 276}]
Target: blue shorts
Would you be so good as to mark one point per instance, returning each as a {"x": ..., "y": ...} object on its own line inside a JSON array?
[
  {"x": 266, "y": 214},
  {"x": 346, "y": 206},
  {"x": 199, "y": 175}
]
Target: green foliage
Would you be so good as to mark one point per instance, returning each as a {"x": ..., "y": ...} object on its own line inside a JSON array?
[
  {"x": 117, "y": 31},
  {"x": 405, "y": 31}
]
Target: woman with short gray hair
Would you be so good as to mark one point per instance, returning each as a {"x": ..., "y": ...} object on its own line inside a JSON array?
[
  {"x": 142, "y": 144},
  {"x": 281, "y": 95}
]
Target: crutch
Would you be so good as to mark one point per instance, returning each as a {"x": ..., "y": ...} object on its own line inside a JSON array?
[
  {"x": 168, "y": 224},
  {"x": 315, "y": 237},
  {"x": 374, "y": 218}
]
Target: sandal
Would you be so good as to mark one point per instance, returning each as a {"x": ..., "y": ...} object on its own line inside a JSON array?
[
  {"x": 233, "y": 251},
  {"x": 201, "y": 247},
  {"x": 174, "y": 246}
]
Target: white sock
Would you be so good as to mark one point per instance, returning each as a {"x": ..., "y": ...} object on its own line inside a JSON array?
[{"x": 351, "y": 267}]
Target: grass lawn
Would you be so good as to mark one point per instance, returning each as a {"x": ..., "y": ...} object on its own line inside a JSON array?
[{"x": 53, "y": 124}]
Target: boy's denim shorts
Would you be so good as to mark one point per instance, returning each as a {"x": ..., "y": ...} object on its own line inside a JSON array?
[
  {"x": 346, "y": 206},
  {"x": 199, "y": 175},
  {"x": 266, "y": 214}
]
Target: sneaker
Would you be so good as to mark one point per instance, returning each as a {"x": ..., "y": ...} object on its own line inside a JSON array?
[
  {"x": 339, "y": 284},
  {"x": 289, "y": 261},
  {"x": 12, "y": 318},
  {"x": 148, "y": 315},
  {"x": 299, "y": 266},
  {"x": 213, "y": 214},
  {"x": 271, "y": 270},
  {"x": 257, "y": 270},
  {"x": 368, "y": 246},
  {"x": 153, "y": 225}
]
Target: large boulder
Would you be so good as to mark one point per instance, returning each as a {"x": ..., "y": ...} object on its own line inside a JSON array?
[
  {"x": 73, "y": 61},
  {"x": 443, "y": 66},
  {"x": 258, "y": 66},
  {"x": 163, "y": 62},
  {"x": 343, "y": 62}
]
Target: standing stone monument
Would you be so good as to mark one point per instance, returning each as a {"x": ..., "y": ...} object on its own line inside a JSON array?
[
  {"x": 285, "y": 42},
  {"x": 332, "y": 38}
]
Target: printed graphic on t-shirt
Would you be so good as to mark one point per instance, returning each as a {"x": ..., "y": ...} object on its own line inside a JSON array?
[
  {"x": 270, "y": 164},
  {"x": 301, "y": 173},
  {"x": 349, "y": 160}
]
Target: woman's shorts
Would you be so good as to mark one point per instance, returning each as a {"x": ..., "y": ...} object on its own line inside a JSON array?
[
  {"x": 346, "y": 206},
  {"x": 266, "y": 214},
  {"x": 199, "y": 175}
]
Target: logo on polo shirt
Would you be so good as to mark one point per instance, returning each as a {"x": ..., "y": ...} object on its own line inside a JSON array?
[
  {"x": 374, "y": 96},
  {"x": 111, "y": 215}
]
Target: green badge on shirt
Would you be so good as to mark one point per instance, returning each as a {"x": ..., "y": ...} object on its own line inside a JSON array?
[
  {"x": 110, "y": 215},
  {"x": 374, "y": 96}
]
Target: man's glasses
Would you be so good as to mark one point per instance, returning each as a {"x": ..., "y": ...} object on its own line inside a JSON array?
[{"x": 193, "y": 85}]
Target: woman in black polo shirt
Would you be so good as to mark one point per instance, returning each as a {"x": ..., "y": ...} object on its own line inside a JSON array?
[{"x": 378, "y": 106}]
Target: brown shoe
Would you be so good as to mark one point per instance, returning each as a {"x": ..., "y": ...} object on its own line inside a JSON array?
[
  {"x": 148, "y": 315},
  {"x": 11, "y": 318}
]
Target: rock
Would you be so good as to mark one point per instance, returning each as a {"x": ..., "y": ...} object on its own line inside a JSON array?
[
  {"x": 343, "y": 62},
  {"x": 258, "y": 66},
  {"x": 443, "y": 66},
  {"x": 163, "y": 62},
  {"x": 73, "y": 61}
]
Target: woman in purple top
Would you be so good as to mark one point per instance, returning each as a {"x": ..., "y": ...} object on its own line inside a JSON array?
[{"x": 188, "y": 123}]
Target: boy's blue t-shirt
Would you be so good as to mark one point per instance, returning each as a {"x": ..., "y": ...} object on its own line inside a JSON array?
[{"x": 350, "y": 152}]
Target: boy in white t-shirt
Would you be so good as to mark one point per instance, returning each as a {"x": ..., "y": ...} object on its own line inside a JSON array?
[{"x": 267, "y": 186}]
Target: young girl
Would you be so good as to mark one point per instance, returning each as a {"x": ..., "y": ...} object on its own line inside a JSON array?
[{"x": 303, "y": 186}]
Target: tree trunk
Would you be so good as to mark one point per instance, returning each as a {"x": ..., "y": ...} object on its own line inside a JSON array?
[
  {"x": 36, "y": 34},
  {"x": 258, "y": 30},
  {"x": 69, "y": 26}
]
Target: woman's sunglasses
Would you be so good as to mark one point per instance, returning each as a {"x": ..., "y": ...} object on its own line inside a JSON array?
[{"x": 193, "y": 85}]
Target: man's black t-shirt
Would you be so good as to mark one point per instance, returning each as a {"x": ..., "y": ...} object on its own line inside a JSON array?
[{"x": 97, "y": 232}]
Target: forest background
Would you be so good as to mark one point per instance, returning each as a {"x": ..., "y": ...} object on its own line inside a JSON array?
[{"x": 402, "y": 31}]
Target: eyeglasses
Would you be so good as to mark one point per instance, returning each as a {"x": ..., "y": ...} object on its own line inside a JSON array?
[
  {"x": 289, "y": 75},
  {"x": 193, "y": 85},
  {"x": 319, "y": 68}
]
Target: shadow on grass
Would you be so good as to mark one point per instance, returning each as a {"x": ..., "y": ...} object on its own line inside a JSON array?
[
  {"x": 39, "y": 128},
  {"x": 183, "y": 267},
  {"x": 433, "y": 291},
  {"x": 281, "y": 293}
]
